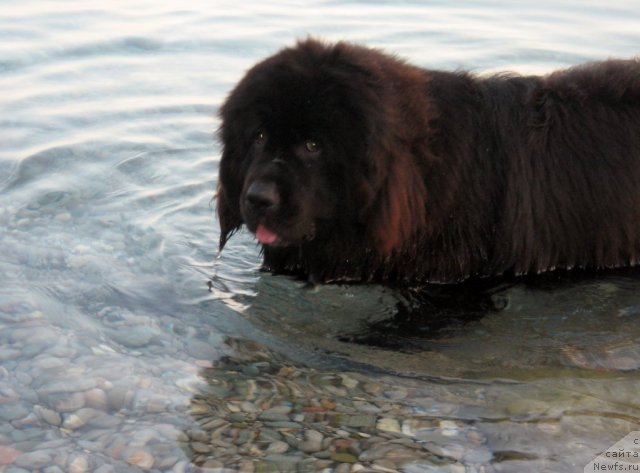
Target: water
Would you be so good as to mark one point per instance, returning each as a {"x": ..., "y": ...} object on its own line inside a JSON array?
[{"x": 127, "y": 344}]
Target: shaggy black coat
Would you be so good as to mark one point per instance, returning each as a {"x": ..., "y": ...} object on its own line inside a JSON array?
[{"x": 350, "y": 164}]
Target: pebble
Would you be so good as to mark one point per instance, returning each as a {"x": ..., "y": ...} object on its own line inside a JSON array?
[
  {"x": 451, "y": 450},
  {"x": 385, "y": 466},
  {"x": 8, "y": 455},
  {"x": 312, "y": 442},
  {"x": 477, "y": 456},
  {"x": 79, "y": 418},
  {"x": 277, "y": 447},
  {"x": 30, "y": 420},
  {"x": 72, "y": 385},
  {"x": 140, "y": 458},
  {"x": 396, "y": 394},
  {"x": 117, "y": 397},
  {"x": 388, "y": 425},
  {"x": 343, "y": 468},
  {"x": 274, "y": 415},
  {"x": 9, "y": 412},
  {"x": 199, "y": 447},
  {"x": 249, "y": 407},
  {"x": 527, "y": 408},
  {"x": 24, "y": 378},
  {"x": 282, "y": 409},
  {"x": 213, "y": 464},
  {"x": 53, "y": 469},
  {"x": 360, "y": 421},
  {"x": 137, "y": 336},
  {"x": 14, "y": 469},
  {"x": 96, "y": 398},
  {"x": 36, "y": 459},
  {"x": 284, "y": 425},
  {"x": 105, "y": 469},
  {"x": 284, "y": 463},
  {"x": 78, "y": 464},
  {"x": 344, "y": 458},
  {"x": 375, "y": 453},
  {"x": 448, "y": 428},
  {"x": 270, "y": 416},
  {"x": 202, "y": 350},
  {"x": 478, "y": 439},
  {"x": 348, "y": 381},
  {"x": 7, "y": 354},
  {"x": 70, "y": 402}
]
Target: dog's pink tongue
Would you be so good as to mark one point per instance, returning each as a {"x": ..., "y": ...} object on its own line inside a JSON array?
[{"x": 265, "y": 236}]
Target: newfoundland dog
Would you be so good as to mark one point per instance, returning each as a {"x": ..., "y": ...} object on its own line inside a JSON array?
[{"x": 350, "y": 164}]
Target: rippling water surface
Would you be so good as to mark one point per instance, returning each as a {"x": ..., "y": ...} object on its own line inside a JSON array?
[{"x": 128, "y": 344}]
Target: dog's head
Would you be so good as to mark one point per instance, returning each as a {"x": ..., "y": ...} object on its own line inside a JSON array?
[{"x": 308, "y": 150}]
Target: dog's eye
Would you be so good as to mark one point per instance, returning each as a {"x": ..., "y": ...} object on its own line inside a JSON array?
[
  {"x": 260, "y": 137},
  {"x": 312, "y": 146}
]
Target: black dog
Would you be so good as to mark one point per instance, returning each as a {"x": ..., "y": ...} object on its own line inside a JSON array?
[{"x": 349, "y": 164}]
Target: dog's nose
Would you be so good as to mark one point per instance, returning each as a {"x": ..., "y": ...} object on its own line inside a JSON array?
[{"x": 262, "y": 195}]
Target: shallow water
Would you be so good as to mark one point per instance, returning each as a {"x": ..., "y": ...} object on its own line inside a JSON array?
[{"x": 128, "y": 344}]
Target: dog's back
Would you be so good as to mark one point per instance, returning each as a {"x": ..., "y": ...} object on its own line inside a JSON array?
[
  {"x": 541, "y": 172},
  {"x": 572, "y": 195}
]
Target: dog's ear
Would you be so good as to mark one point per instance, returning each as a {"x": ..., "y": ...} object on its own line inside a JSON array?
[
  {"x": 230, "y": 175},
  {"x": 228, "y": 214}
]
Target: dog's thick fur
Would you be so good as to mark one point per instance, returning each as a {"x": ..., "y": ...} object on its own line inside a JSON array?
[{"x": 366, "y": 168}]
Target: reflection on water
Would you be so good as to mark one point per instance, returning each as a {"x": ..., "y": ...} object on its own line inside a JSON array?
[
  {"x": 115, "y": 354},
  {"x": 426, "y": 314},
  {"x": 520, "y": 329}
]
